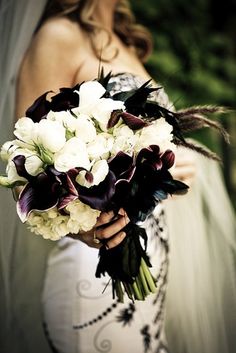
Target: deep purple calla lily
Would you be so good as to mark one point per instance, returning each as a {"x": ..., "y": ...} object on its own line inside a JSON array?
[
  {"x": 44, "y": 191},
  {"x": 39, "y": 109},
  {"x": 150, "y": 156},
  {"x": 132, "y": 121},
  {"x": 41, "y": 193},
  {"x": 99, "y": 196},
  {"x": 122, "y": 165},
  {"x": 64, "y": 100},
  {"x": 168, "y": 159}
]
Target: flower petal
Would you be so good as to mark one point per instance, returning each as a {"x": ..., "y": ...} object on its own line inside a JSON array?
[
  {"x": 19, "y": 162},
  {"x": 168, "y": 159},
  {"x": 31, "y": 199},
  {"x": 99, "y": 196},
  {"x": 39, "y": 109},
  {"x": 133, "y": 122}
]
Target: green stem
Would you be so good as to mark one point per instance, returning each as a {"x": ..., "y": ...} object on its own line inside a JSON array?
[
  {"x": 138, "y": 294},
  {"x": 140, "y": 286},
  {"x": 129, "y": 290},
  {"x": 148, "y": 276},
  {"x": 143, "y": 281},
  {"x": 119, "y": 291}
]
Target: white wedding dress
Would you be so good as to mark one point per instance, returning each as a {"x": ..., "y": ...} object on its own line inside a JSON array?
[{"x": 80, "y": 316}]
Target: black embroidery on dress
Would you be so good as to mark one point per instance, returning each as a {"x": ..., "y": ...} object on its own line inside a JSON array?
[
  {"x": 49, "y": 340},
  {"x": 126, "y": 315},
  {"x": 146, "y": 338},
  {"x": 93, "y": 321}
]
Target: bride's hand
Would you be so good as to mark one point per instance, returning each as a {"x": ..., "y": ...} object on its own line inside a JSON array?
[
  {"x": 108, "y": 230},
  {"x": 185, "y": 166}
]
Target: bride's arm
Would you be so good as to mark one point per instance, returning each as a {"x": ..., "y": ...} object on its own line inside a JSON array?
[{"x": 51, "y": 62}]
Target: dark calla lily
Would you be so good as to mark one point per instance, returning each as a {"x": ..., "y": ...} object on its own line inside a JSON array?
[
  {"x": 168, "y": 159},
  {"x": 133, "y": 122},
  {"x": 19, "y": 162},
  {"x": 66, "y": 99},
  {"x": 122, "y": 165},
  {"x": 99, "y": 196},
  {"x": 46, "y": 190},
  {"x": 114, "y": 118},
  {"x": 39, "y": 109},
  {"x": 151, "y": 157},
  {"x": 41, "y": 193}
]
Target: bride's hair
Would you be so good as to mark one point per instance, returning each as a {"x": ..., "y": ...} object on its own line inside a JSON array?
[{"x": 125, "y": 26}]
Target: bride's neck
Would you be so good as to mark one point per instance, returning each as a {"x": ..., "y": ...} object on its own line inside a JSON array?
[{"x": 104, "y": 13}]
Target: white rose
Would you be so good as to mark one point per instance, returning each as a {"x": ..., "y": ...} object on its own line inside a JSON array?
[
  {"x": 33, "y": 165},
  {"x": 26, "y": 130},
  {"x": 101, "y": 146},
  {"x": 65, "y": 118},
  {"x": 7, "y": 149},
  {"x": 89, "y": 94},
  {"x": 99, "y": 170},
  {"x": 51, "y": 134},
  {"x": 103, "y": 109},
  {"x": 158, "y": 133},
  {"x": 73, "y": 154},
  {"x": 85, "y": 129}
]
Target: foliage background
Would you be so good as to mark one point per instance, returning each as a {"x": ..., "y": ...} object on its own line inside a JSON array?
[{"x": 194, "y": 59}]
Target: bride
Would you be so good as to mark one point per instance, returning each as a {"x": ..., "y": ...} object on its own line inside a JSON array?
[{"x": 49, "y": 289}]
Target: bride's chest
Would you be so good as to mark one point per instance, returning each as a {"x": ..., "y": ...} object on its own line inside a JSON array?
[{"x": 114, "y": 61}]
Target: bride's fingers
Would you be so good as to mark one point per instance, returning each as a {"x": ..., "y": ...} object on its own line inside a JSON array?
[
  {"x": 105, "y": 217},
  {"x": 112, "y": 229},
  {"x": 116, "y": 240},
  {"x": 87, "y": 238}
]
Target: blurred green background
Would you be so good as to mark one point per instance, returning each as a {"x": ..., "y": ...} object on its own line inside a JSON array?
[{"x": 194, "y": 58}]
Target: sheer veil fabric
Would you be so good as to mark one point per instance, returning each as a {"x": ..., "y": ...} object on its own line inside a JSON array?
[{"x": 201, "y": 300}]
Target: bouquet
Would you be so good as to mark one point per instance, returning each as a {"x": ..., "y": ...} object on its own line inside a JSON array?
[{"x": 84, "y": 151}]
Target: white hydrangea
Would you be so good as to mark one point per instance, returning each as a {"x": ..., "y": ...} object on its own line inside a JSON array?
[
  {"x": 82, "y": 217},
  {"x": 124, "y": 139},
  {"x": 158, "y": 133},
  {"x": 101, "y": 147},
  {"x": 49, "y": 224}
]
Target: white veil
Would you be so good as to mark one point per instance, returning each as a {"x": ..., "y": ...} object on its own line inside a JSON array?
[
  {"x": 201, "y": 312},
  {"x": 201, "y": 295},
  {"x": 22, "y": 257}
]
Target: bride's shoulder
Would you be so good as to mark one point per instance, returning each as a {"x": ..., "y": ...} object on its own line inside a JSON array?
[{"x": 61, "y": 33}]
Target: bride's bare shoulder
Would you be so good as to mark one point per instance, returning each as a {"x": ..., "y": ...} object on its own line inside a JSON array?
[
  {"x": 60, "y": 32},
  {"x": 55, "y": 54}
]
